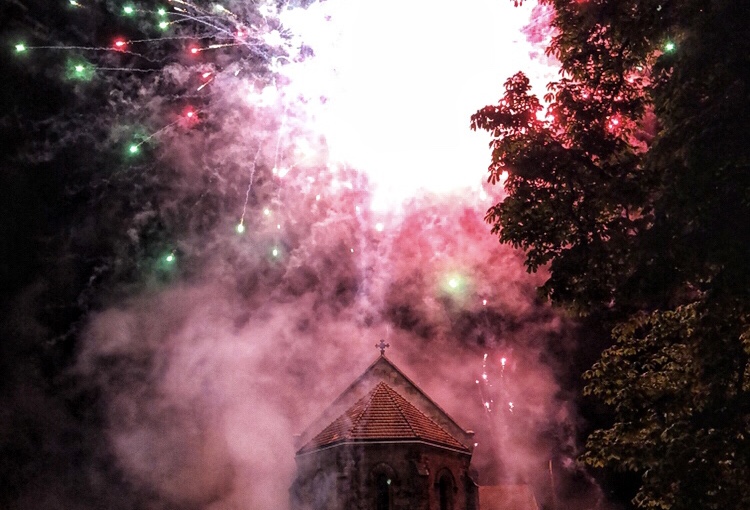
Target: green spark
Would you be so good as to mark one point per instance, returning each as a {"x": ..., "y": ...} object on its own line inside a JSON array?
[
  {"x": 163, "y": 25},
  {"x": 128, "y": 9},
  {"x": 78, "y": 69},
  {"x": 669, "y": 47},
  {"x": 170, "y": 258},
  {"x": 20, "y": 48},
  {"x": 240, "y": 228},
  {"x": 134, "y": 149},
  {"x": 162, "y": 11}
]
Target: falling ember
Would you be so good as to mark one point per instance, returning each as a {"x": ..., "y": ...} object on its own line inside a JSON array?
[
  {"x": 503, "y": 361},
  {"x": 240, "y": 228}
]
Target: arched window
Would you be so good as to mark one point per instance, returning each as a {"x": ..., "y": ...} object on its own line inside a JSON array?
[
  {"x": 445, "y": 491},
  {"x": 382, "y": 482},
  {"x": 382, "y": 492}
]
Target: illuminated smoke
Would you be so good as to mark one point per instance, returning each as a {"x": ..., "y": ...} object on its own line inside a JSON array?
[{"x": 337, "y": 204}]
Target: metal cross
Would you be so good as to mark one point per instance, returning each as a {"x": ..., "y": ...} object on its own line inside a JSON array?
[{"x": 382, "y": 346}]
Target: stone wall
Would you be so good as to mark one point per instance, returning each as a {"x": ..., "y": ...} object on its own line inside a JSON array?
[{"x": 345, "y": 477}]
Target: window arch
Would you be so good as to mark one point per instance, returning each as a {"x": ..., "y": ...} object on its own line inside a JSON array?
[
  {"x": 445, "y": 488},
  {"x": 382, "y": 482}
]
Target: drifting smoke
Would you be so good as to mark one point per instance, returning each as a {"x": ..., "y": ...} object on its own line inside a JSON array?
[{"x": 319, "y": 212}]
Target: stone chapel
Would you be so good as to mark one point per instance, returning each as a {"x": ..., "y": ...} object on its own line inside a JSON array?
[{"x": 383, "y": 444}]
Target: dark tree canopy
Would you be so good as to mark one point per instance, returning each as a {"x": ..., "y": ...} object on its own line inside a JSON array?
[{"x": 634, "y": 191}]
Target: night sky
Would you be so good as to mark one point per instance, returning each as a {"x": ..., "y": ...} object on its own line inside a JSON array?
[{"x": 211, "y": 215}]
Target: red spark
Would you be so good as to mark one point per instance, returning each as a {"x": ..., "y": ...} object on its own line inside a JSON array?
[{"x": 120, "y": 44}]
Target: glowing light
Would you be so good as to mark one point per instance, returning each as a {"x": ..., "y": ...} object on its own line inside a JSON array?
[
  {"x": 275, "y": 252},
  {"x": 170, "y": 258},
  {"x": 353, "y": 61},
  {"x": 351, "y": 250},
  {"x": 456, "y": 285},
  {"x": 120, "y": 44},
  {"x": 240, "y": 228},
  {"x": 503, "y": 361},
  {"x": 194, "y": 50},
  {"x": 78, "y": 70},
  {"x": 278, "y": 227},
  {"x": 379, "y": 227},
  {"x": 20, "y": 48},
  {"x": 484, "y": 302},
  {"x": 128, "y": 9},
  {"x": 163, "y": 25},
  {"x": 317, "y": 197},
  {"x": 669, "y": 46},
  {"x": 206, "y": 75},
  {"x": 484, "y": 376},
  {"x": 161, "y": 11},
  {"x": 133, "y": 149},
  {"x": 273, "y": 38},
  {"x": 73, "y": 3},
  {"x": 266, "y": 211}
]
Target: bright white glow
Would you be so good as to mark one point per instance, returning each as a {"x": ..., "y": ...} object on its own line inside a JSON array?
[{"x": 400, "y": 81}]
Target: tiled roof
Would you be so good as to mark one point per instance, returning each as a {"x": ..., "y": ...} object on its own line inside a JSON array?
[{"x": 383, "y": 415}]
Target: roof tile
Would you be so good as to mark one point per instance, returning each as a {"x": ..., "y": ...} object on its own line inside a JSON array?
[{"x": 383, "y": 414}]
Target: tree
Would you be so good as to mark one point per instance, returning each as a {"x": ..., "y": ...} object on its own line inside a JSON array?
[{"x": 634, "y": 191}]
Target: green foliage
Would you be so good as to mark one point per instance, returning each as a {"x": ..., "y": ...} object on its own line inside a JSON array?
[{"x": 634, "y": 193}]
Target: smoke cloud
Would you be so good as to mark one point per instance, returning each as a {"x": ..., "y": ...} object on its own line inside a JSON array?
[{"x": 315, "y": 213}]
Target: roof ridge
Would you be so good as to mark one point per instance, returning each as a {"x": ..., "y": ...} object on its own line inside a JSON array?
[
  {"x": 400, "y": 410},
  {"x": 428, "y": 418},
  {"x": 367, "y": 406}
]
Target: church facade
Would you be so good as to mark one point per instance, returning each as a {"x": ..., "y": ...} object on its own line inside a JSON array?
[{"x": 384, "y": 445}]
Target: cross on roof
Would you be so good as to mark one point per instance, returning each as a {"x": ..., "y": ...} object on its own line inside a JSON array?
[{"x": 382, "y": 346}]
